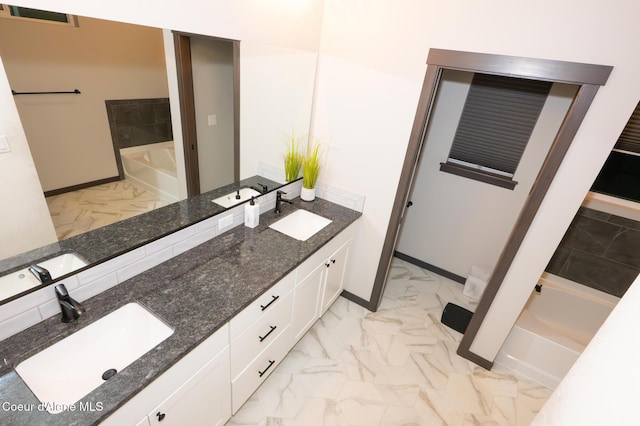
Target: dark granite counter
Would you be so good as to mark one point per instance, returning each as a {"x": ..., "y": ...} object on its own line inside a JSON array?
[
  {"x": 105, "y": 243},
  {"x": 196, "y": 293}
]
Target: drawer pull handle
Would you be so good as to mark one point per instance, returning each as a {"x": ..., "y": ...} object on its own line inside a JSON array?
[
  {"x": 273, "y": 299},
  {"x": 261, "y": 373},
  {"x": 272, "y": 327},
  {"x": 160, "y": 416}
]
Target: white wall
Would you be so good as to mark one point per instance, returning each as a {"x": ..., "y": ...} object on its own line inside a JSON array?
[
  {"x": 456, "y": 222},
  {"x": 276, "y": 94},
  {"x": 69, "y": 135},
  {"x": 24, "y": 215},
  {"x": 212, "y": 69},
  {"x": 291, "y": 23},
  {"x": 371, "y": 70}
]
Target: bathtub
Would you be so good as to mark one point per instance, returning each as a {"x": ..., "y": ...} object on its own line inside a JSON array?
[
  {"x": 612, "y": 205},
  {"x": 152, "y": 167},
  {"x": 553, "y": 329}
]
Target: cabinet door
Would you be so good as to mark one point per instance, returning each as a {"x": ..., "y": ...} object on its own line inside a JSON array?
[
  {"x": 305, "y": 302},
  {"x": 335, "y": 267},
  {"x": 204, "y": 399}
]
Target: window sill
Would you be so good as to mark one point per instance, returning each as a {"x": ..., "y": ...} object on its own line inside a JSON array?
[{"x": 478, "y": 175}]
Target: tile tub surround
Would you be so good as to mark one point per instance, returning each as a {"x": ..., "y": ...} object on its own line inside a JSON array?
[
  {"x": 397, "y": 366},
  {"x": 195, "y": 292},
  {"x": 599, "y": 250},
  {"x": 135, "y": 122},
  {"x": 105, "y": 243}
]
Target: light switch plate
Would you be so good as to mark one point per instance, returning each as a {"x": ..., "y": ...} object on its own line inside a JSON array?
[
  {"x": 4, "y": 144},
  {"x": 212, "y": 120}
]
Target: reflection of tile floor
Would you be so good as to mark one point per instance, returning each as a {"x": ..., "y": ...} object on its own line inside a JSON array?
[
  {"x": 397, "y": 366},
  {"x": 80, "y": 211}
]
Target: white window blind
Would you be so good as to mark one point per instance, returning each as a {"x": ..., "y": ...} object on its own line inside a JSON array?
[{"x": 629, "y": 140}]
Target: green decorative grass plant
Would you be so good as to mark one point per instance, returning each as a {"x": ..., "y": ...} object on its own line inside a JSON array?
[
  {"x": 293, "y": 160},
  {"x": 311, "y": 166}
]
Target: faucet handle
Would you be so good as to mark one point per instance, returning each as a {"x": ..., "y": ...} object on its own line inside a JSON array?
[{"x": 61, "y": 291}]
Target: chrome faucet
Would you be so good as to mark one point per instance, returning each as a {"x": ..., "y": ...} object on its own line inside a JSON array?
[
  {"x": 279, "y": 201},
  {"x": 71, "y": 309}
]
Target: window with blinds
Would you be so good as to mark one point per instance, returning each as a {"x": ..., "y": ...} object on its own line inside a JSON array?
[
  {"x": 495, "y": 126},
  {"x": 620, "y": 175},
  {"x": 25, "y": 13},
  {"x": 629, "y": 140}
]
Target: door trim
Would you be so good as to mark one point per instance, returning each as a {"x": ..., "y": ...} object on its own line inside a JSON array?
[
  {"x": 589, "y": 77},
  {"x": 182, "y": 42}
]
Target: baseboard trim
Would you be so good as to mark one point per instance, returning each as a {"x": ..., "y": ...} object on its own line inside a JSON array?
[
  {"x": 358, "y": 300},
  {"x": 430, "y": 267},
  {"x": 476, "y": 359},
  {"x": 80, "y": 186}
]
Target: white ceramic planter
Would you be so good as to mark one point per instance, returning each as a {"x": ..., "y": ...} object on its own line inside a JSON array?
[{"x": 308, "y": 194}]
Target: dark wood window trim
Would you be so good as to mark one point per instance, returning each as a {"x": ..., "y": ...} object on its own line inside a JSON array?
[{"x": 477, "y": 174}]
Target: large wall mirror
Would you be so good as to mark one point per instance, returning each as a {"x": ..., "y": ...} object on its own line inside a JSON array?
[{"x": 126, "y": 76}]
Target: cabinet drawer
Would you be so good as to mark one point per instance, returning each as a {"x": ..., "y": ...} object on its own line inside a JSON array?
[
  {"x": 258, "y": 336},
  {"x": 257, "y": 372},
  {"x": 261, "y": 306}
]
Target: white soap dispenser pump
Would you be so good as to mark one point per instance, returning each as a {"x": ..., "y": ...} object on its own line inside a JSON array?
[{"x": 251, "y": 214}]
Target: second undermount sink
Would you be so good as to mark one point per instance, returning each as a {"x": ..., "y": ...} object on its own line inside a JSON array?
[
  {"x": 232, "y": 199},
  {"x": 22, "y": 280},
  {"x": 65, "y": 372},
  {"x": 300, "y": 224}
]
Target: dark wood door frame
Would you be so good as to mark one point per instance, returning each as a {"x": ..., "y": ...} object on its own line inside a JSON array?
[
  {"x": 587, "y": 76},
  {"x": 182, "y": 43}
]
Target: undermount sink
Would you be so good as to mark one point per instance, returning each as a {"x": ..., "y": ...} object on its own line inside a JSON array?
[
  {"x": 300, "y": 224},
  {"x": 62, "y": 374},
  {"x": 230, "y": 199},
  {"x": 22, "y": 280}
]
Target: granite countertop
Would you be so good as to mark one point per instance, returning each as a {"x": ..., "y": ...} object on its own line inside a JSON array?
[
  {"x": 112, "y": 240},
  {"x": 196, "y": 292}
]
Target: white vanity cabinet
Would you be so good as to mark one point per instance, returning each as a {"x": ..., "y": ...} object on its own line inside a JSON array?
[
  {"x": 320, "y": 280},
  {"x": 306, "y": 302},
  {"x": 216, "y": 378},
  {"x": 260, "y": 339},
  {"x": 335, "y": 267},
  {"x": 201, "y": 400},
  {"x": 194, "y": 391}
]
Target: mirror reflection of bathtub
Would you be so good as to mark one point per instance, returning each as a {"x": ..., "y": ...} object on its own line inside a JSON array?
[{"x": 152, "y": 167}]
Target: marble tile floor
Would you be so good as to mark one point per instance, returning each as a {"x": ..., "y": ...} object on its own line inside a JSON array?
[
  {"x": 80, "y": 211},
  {"x": 397, "y": 366}
]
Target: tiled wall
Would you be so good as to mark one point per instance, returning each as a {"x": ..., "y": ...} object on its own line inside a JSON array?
[
  {"x": 599, "y": 250},
  {"x": 135, "y": 122}
]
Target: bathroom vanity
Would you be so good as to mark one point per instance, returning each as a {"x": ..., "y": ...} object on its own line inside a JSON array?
[{"x": 237, "y": 304}]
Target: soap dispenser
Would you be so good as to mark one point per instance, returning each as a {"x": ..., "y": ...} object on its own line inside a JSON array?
[{"x": 251, "y": 214}]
